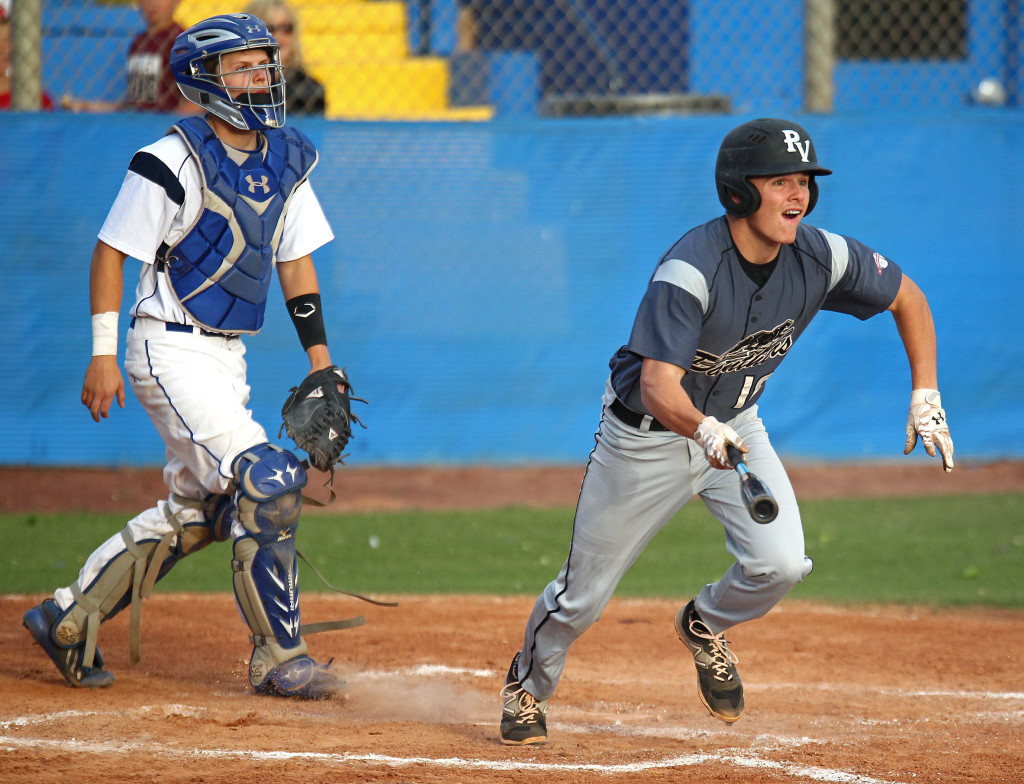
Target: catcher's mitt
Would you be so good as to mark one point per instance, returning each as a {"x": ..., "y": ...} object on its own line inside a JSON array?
[{"x": 318, "y": 418}]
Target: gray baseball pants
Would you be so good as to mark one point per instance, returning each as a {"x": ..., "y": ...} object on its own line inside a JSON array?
[{"x": 635, "y": 482}]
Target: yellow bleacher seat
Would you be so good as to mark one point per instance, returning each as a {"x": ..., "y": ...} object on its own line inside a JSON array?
[{"x": 356, "y": 16}]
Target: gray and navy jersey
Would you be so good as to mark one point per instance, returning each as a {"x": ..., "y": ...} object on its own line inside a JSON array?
[{"x": 703, "y": 313}]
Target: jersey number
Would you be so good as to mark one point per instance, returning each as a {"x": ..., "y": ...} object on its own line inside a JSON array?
[{"x": 750, "y": 387}]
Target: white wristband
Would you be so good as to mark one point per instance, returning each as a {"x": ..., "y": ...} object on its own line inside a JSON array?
[
  {"x": 104, "y": 334},
  {"x": 924, "y": 395}
]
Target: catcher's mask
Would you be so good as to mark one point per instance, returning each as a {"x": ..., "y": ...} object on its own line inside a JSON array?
[
  {"x": 195, "y": 63},
  {"x": 761, "y": 148}
]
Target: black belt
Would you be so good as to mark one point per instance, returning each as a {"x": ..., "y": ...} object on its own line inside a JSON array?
[
  {"x": 632, "y": 418},
  {"x": 172, "y": 326}
]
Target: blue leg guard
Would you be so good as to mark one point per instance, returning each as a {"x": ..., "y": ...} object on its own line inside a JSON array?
[{"x": 266, "y": 586}]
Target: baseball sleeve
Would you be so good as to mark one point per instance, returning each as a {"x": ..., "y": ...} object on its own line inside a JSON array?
[
  {"x": 866, "y": 282},
  {"x": 156, "y": 201},
  {"x": 305, "y": 226}
]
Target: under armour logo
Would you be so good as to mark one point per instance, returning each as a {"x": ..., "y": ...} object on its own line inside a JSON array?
[
  {"x": 793, "y": 144},
  {"x": 253, "y": 184}
]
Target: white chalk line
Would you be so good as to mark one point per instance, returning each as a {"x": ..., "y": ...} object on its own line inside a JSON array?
[
  {"x": 967, "y": 695},
  {"x": 426, "y": 669},
  {"x": 441, "y": 669},
  {"x": 743, "y": 759},
  {"x": 924, "y": 693}
]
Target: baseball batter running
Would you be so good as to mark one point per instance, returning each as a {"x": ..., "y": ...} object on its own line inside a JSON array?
[
  {"x": 210, "y": 209},
  {"x": 720, "y": 313}
]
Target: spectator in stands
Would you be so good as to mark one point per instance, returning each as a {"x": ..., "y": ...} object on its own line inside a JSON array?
[
  {"x": 45, "y": 102},
  {"x": 151, "y": 86},
  {"x": 304, "y": 94}
]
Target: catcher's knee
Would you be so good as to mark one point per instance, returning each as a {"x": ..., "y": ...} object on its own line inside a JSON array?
[
  {"x": 220, "y": 513},
  {"x": 269, "y": 497}
]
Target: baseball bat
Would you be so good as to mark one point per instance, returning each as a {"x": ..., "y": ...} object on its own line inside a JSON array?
[{"x": 761, "y": 505}]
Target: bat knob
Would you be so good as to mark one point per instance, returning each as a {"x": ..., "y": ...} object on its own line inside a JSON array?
[{"x": 765, "y": 510}]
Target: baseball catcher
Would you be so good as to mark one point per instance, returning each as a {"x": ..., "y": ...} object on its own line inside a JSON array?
[
  {"x": 318, "y": 417},
  {"x": 214, "y": 210}
]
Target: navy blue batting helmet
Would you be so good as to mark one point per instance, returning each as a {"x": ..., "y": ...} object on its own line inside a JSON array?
[
  {"x": 761, "y": 148},
  {"x": 195, "y": 63}
]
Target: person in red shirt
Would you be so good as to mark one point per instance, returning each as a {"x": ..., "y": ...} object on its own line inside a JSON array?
[
  {"x": 151, "y": 86},
  {"x": 45, "y": 102}
]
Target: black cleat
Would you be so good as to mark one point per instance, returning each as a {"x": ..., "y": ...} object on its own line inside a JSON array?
[
  {"x": 40, "y": 621},
  {"x": 523, "y": 718},
  {"x": 718, "y": 683}
]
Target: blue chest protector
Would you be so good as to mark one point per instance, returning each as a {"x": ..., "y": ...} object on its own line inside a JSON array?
[{"x": 220, "y": 271}]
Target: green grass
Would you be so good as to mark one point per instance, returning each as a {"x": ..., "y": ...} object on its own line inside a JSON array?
[{"x": 960, "y": 550}]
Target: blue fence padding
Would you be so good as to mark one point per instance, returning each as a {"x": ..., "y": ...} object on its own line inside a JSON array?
[
  {"x": 903, "y": 79},
  {"x": 483, "y": 274}
]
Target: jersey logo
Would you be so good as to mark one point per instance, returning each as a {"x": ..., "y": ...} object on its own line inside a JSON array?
[
  {"x": 792, "y": 140},
  {"x": 750, "y": 352},
  {"x": 260, "y": 183},
  {"x": 881, "y": 262}
]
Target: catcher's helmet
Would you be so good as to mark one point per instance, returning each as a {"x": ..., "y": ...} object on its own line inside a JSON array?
[
  {"x": 203, "y": 85},
  {"x": 758, "y": 149}
]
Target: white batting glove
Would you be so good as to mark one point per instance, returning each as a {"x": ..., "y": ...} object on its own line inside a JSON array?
[
  {"x": 713, "y": 436},
  {"x": 928, "y": 420}
]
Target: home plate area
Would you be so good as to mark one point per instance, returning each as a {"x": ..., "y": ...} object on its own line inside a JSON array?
[{"x": 865, "y": 694}]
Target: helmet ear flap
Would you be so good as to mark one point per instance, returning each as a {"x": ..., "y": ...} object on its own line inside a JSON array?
[
  {"x": 812, "y": 199},
  {"x": 749, "y": 197}
]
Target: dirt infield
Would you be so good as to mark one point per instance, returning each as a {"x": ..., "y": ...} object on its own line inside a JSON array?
[
  {"x": 862, "y": 695},
  {"x": 362, "y": 489}
]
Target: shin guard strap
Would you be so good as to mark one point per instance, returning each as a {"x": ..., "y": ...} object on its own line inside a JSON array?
[
  {"x": 144, "y": 577},
  {"x": 259, "y": 640},
  {"x": 92, "y": 624},
  {"x": 138, "y": 573}
]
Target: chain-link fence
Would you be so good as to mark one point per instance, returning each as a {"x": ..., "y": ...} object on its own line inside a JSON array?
[{"x": 479, "y": 59}]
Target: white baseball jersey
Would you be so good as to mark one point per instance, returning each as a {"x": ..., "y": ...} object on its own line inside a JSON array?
[{"x": 162, "y": 206}]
